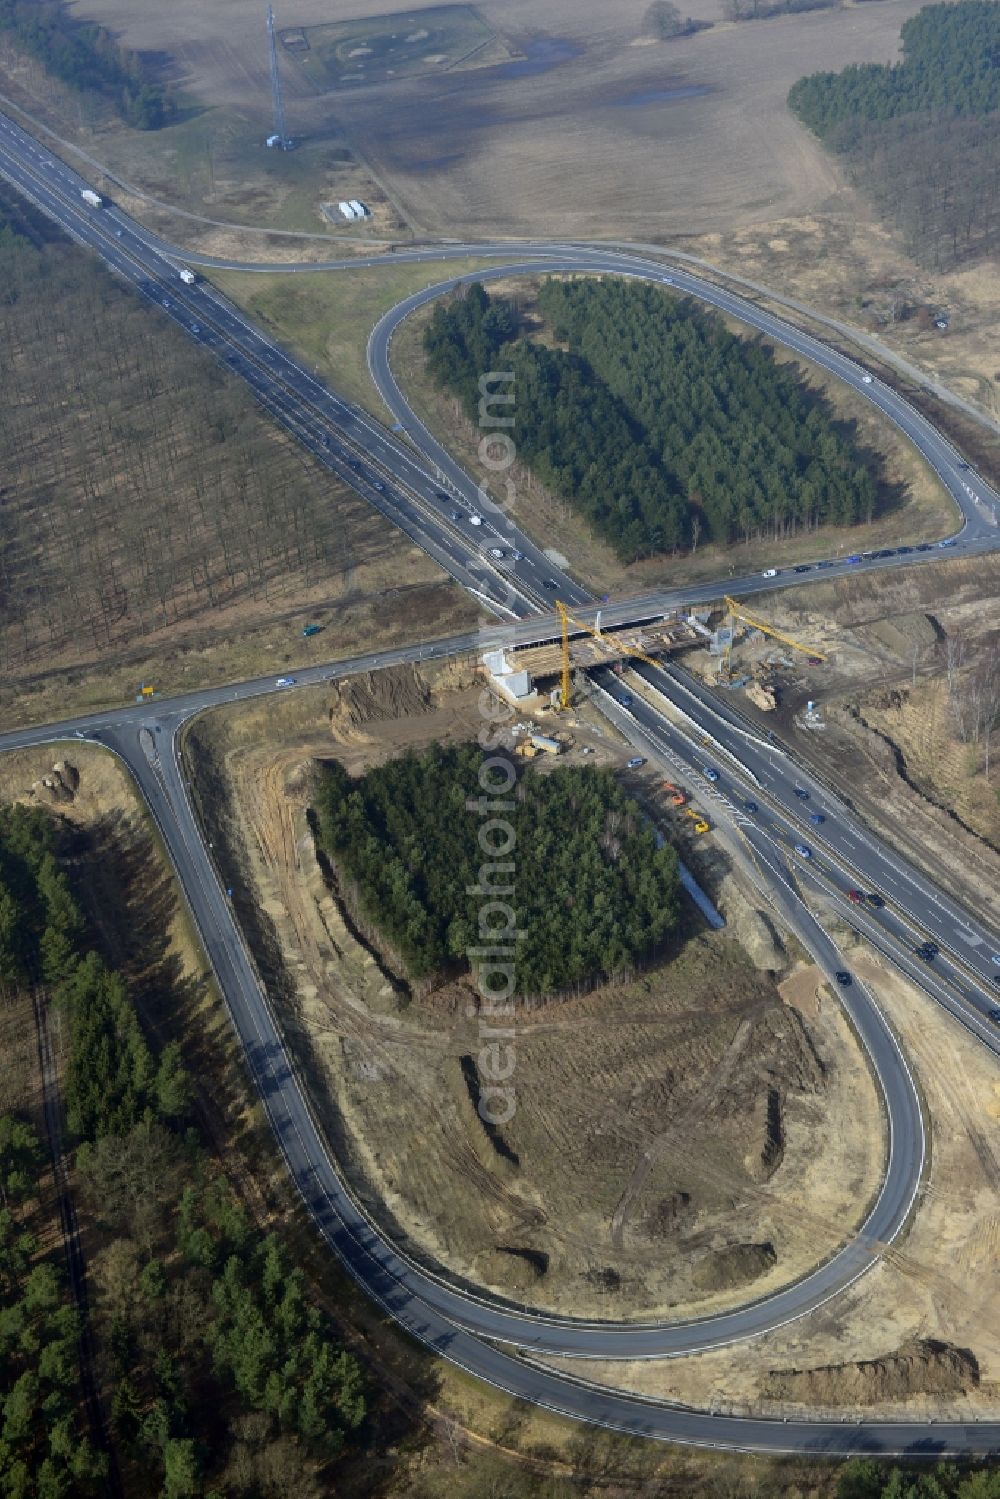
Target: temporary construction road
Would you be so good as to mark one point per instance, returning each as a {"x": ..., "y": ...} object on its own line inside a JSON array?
[{"x": 398, "y": 477}]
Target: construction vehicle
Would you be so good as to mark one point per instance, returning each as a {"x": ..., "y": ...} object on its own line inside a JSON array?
[
  {"x": 675, "y": 793},
  {"x": 566, "y": 619},
  {"x": 700, "y": 824},
  {"x": 737, "y": 611}
]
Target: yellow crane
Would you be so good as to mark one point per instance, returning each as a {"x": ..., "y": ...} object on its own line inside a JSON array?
[
  {"x": 566, "y": 619},
  {"x": 737, "y": 611}
]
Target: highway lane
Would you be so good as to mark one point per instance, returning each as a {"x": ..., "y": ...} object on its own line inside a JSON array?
[
  {"x": 270, "y": 371},
  {"x": 937, "y": 916},
  {"x": 755, "y": 794},
  {"x": 158, "y": 774},
  {"x": 340, "y": 436},
  {"x": 760, "y": 768}
]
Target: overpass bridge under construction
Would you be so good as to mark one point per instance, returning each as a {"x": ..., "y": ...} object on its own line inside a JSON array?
[{"x": 656, "y": 637}]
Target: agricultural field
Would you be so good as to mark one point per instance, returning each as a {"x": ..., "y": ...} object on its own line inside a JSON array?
[
  {"x": 592, "y": 123},
  {"x": 671, "y": 1127},
  {"x": 438, "y": 39}
]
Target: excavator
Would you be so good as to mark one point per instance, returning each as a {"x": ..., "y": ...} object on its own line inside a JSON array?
[{"x": 677, "y": 796}]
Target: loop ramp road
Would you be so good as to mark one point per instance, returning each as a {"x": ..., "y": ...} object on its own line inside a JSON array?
[{"x": 400, "y": 477}]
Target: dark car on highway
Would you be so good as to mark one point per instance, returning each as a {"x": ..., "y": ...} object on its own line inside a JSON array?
[
  {"x": 874, "y": 899},
  {"x": 802, "y": 793},
  {"x": 844, "y": 978}
]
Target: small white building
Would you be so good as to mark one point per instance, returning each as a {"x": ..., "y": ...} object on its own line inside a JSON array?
[
  {"x": 360, "y": 211},
  {"x": 347, "y": 209}
]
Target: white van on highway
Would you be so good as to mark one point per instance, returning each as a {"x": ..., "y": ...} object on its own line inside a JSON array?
[{"x": 770, "y": 572}]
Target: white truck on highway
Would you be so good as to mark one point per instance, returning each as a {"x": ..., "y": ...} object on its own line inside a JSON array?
[
  {"x": 89, "y": 196},
  {"x": 188, "y": 277}
]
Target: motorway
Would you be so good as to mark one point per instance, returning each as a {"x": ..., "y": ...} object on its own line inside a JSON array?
[{"x": 400, "y": 476}]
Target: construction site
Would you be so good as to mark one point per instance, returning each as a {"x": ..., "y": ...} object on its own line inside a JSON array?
[{"x": 732, "y": 648}]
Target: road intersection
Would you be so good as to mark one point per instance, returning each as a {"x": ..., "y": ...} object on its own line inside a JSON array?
[{"x": 400, "y": 476}]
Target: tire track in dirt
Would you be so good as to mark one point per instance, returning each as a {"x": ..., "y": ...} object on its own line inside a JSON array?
[{"x": 713, "y": 1087}]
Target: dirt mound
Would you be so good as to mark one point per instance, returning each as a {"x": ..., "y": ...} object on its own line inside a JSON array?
[
  {"x": 751, "y": 927},
  {"x": 59, "y": 785},
  {"x": 899, "y": 633},
  {"x": 917, "y": 1368},
  {"x": 671, "y": 1215},
  {"x": 767, "y": 1137},
  {"x": 68, "y": 774},
  {"x": 377, "y": 696},
  {"x": 736, "y": 1265},
  {"x": 486, "y": 1140},
  {"x": 511, "y": 1269}
]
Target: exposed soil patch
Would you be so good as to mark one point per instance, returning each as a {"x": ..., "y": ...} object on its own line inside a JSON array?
[
  {"x": 912, "y": 1335},
  {"x": 737, "y": 1265}
]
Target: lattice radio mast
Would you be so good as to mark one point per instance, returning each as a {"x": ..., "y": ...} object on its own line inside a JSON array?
[{"x": 280, "y": 138}]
